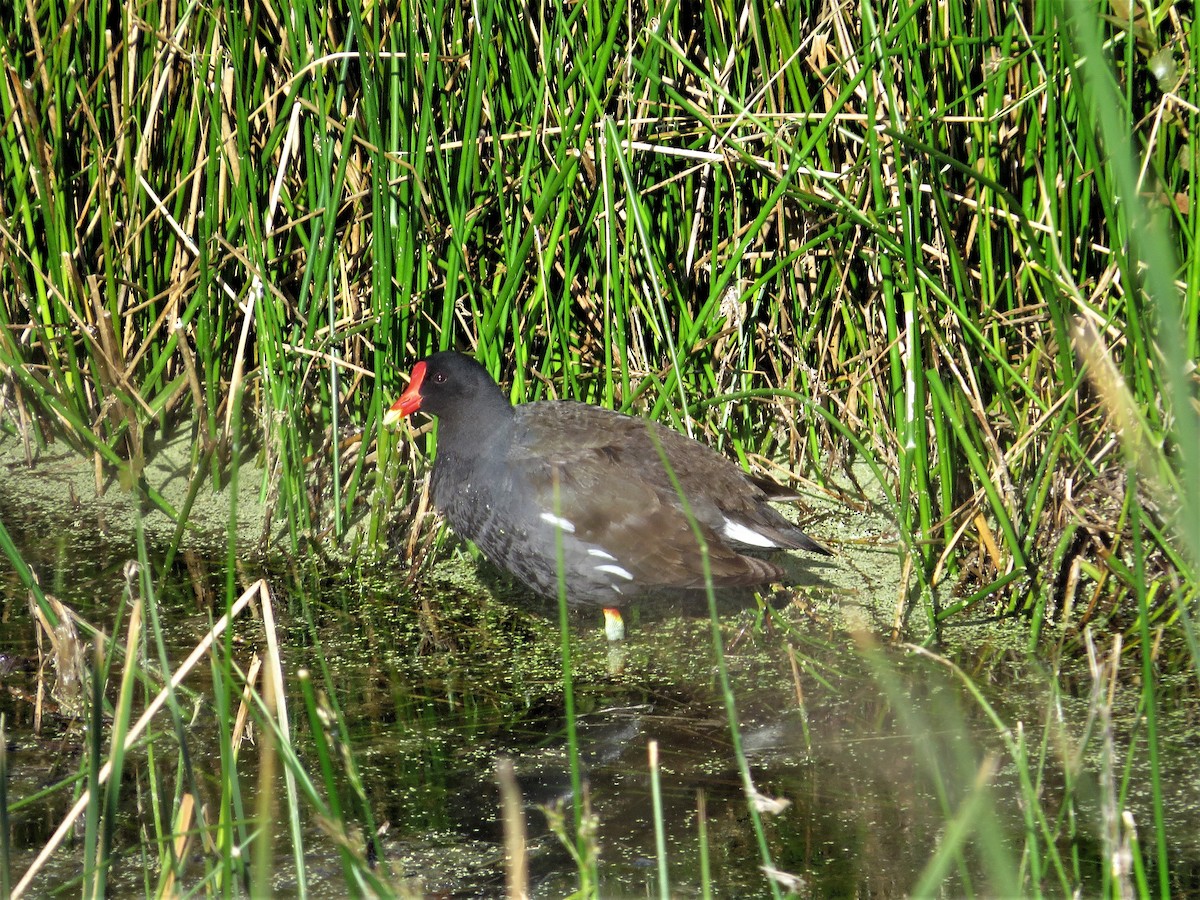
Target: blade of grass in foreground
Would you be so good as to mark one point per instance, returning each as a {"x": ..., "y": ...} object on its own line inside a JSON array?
[
  {"x": 588, "y": 876},
  {"x": 135, "y": 732},
  {"x": 702, "y": 839},
  {"x": 25, "y": 575},
  {"x": 358, "y": 867},
  {"x": 276, "y": 703},
  {"x": 95, "y": 866},
  {"x": 1149, "y": 252},
  {"x": 318, "y": 724},
  {"x": 335, "y": 732},
  {"x": 735, "y": 734},
  {"x": 5, "y": 848},
  {"x": 660, "y": 829},
  {"x": 1040, "y": 833},
  {"x": 121, "y": 715}
]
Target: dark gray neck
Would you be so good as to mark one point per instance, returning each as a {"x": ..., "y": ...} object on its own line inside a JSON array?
[{"x": 470, "y": 433}]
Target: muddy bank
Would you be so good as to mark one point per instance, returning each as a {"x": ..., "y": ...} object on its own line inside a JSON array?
[{"x": 54, "y": 487}]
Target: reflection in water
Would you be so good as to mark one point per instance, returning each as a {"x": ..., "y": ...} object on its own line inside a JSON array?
[{"x": 881, "y": 753}]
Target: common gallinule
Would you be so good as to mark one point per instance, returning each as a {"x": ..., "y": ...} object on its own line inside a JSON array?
[{"x": 517, "y": 480}]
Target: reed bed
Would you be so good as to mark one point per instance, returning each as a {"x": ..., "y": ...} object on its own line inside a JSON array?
[{"x": 952, "y": 244}]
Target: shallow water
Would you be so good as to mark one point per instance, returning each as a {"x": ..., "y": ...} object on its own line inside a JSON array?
[{"x": 875, "y": 752}]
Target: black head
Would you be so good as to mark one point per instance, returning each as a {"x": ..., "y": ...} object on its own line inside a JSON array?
[{"x": 448, "y": 384}]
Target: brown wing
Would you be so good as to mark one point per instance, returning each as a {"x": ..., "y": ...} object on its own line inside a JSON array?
[{"x": 614, "y": 490}]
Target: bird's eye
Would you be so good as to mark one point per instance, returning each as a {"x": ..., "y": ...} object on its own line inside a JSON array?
[{"x": 439, "y": 377}]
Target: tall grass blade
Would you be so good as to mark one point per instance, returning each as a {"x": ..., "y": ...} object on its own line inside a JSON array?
[
  {"x": 660, "y": 828},
  {"x": 5, "y": 832},
  {"x": 583, "y": 853},
  {"x": 748, "y": 788}
]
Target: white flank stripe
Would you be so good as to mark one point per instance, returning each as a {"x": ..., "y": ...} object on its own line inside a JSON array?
[
  {"x": 735, "y": 531},
  {"x": 603, "y": 554},
  {"x": 565, "y": 524},
  {"x": 616, "y": 570}
]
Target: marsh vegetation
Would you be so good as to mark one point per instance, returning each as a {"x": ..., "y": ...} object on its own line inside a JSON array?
[{"x": 933, "y": 266}]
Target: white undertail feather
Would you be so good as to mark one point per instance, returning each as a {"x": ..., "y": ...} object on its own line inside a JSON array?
[{"x": 740, "y": 534}]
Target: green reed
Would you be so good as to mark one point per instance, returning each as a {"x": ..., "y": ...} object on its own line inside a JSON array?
[
  {"x": 292, "y": 227},
  {"x": 245, "y": 223}
]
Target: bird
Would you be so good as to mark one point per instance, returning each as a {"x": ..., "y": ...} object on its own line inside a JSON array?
[{"x": 558, "y": 486}]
